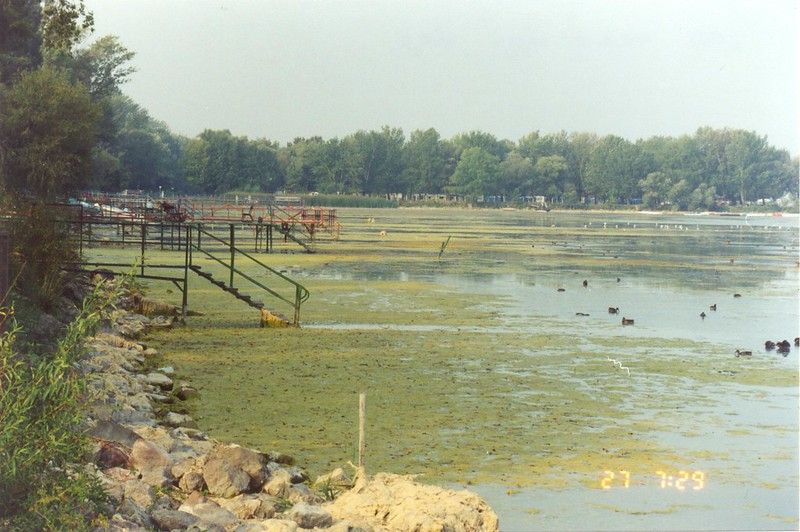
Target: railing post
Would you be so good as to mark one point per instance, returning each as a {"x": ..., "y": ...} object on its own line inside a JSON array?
[
  {"x": 144, "y": 231},
  {"x": 198, "y": 236},
  {"x": 296, "y": 306},
  {"x": 186, "y": 264},
  {"x": 233, "y": 253}
]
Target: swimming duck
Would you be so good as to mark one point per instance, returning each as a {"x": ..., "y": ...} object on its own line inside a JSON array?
[
  {"x": 627, "y": 321},
  {"x": 737, "y": 295},
  {"x": 769, "y": 345},
  {"x": 743, "y": 353},
  {"x": 585, "y": 283},
  {"x": 703, "y": 315},
  {"x": 784, "y": 346},
  {"x": 797, "y": 342},
  {"x": 713, "y": 307},
  {"x": 561, "y": 290},
  {"x": 613, "y": 310}
]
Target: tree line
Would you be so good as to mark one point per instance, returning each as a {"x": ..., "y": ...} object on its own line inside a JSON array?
[{"x": 88, "y": 134}]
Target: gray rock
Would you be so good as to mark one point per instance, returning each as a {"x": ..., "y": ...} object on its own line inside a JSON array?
[
  {"x": 188, "y": 433},
  {"x": 308, "y": 516},
  {"x": 158, "y": 379},
  {"x": 186, "y": 392},
  {"x": 110, "y": 431},
  {"x": 152, "y": 462},
  {"x": 302, "y": 493},
  {"x": 166, "y": 370},
  {"x": 173, "y": 519},
  {"x": 178, "y": 420},
  {"x": 297, "y": 474}
]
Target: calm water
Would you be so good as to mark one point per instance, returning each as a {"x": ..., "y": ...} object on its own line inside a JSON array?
[{"x": 745, "y": 437}]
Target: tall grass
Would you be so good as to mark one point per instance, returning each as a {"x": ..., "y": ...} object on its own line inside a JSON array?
[{"x": 40, "y": 430}]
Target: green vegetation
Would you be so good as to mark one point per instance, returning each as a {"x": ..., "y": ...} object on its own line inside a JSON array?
[
  {"x": 454, "y": 391},
  {"x": 41, "y": 440}
]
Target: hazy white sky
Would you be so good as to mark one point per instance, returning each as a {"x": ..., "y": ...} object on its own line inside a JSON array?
[{"x": 286, "y": 68}]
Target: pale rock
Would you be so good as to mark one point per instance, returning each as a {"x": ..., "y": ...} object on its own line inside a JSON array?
[
  {"x": 158, "y": 379},
  {"x": 210, "y": 512},
  {"x": 181, "y": 467},
  {"x": 149, "y": 352},
  {"x": 152, "y": 462},
  {"x": 139, "y": 492},
  {"x": 140, "y": 402},
  {"x": 185, "y": 432},
  {"x": 279, "y": 484},
  {"x": 242, "y": 506},
  {"x": 120, "y": 524},
  {"x": 269, "y": 525},
  {"x": 173, "y": 419},
  {"x": 173, "y": 519},
  {"x": 349, "y": 526},
  {"x": 225, "y": 479},
  {"x": 310, "y": 516},
  {"x": 397, "y": 503},
  {"x": 166, "y": 370},
  {"x": 297, "y": 474}
]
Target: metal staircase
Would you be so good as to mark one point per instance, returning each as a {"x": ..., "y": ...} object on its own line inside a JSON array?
[{"x": 277, "y": 281}]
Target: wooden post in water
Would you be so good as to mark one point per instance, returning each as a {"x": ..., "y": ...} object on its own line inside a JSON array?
[{"x": 362, "y": 417}]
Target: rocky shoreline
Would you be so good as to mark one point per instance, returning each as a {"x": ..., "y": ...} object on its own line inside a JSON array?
[{"x": 162, "y": 473}]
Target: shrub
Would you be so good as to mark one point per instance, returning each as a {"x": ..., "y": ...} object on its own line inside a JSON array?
[{"x": 40, "y": 431}]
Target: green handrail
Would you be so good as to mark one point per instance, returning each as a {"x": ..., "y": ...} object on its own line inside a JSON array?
[{"x": 301, "y": 292}]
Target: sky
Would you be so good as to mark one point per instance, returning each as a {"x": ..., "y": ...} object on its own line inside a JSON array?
[{"x": 281, "y": 69}]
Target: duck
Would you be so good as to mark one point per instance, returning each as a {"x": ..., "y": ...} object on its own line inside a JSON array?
[
  {"x": 797, "y": 341},
  {"x": 581, "y": 314},
  {"x": 743, "y": 353},
  {"x": 585, "y": 283},
  {"x": 627, "y": 321},
  {"x": 618, "y": 279},
  {"x": 703, "y": 315},
  {"x": 769, "y": 345},
  {"x": 561, "y": 290},
  {"x": 613, "y": 310},
  {"x": 713, "y": 307},
  {"x": 737, "y": 295},
  {"x": 784, "y": 346}
]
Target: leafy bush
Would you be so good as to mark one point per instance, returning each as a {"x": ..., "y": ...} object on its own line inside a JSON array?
[
  {"x": 41, "y": 246},
  {"x": 40, "y": 431}
]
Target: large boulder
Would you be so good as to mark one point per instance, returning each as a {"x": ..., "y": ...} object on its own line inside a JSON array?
[
  {"x": 210, "y": 513},
  {"x": 152, "y": 462},
  {"x": 397, "y": 503},
  {"x": 224, "y": 479},
  {"x": 231, "y": 470}
]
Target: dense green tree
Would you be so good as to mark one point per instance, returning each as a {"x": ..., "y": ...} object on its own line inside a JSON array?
[
  {"x": 47, "y": 131},
  {"x": 480, "y": 139},
  {"x": 20, "y": 40},
  {"x": 516, "y": 174},
  {"x": 476, "y": 173},
  {"x": 615, "y": 168},
  {"x": 425, "y": 161},
  {"x": 375, "y": 160}
]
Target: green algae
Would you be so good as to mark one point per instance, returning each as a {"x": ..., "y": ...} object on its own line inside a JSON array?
[{"x": 522, "y": 409}]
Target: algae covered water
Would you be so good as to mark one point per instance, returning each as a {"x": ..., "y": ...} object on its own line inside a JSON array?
[{"x": 493, "y": 366}]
